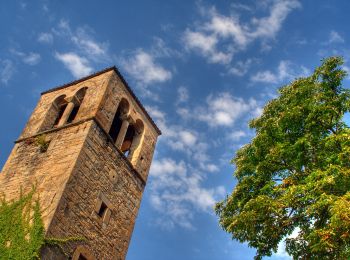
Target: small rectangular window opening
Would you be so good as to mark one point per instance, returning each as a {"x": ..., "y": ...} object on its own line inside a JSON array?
[{"x": 102, "y": 210}]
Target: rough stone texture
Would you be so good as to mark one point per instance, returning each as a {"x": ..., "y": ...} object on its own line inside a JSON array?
[
  {"x": 87, "y": 187},
  {"x": 49, "y": 171}
]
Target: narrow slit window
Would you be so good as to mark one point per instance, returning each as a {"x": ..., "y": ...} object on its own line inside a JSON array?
[{"x": 102, "y": 210}]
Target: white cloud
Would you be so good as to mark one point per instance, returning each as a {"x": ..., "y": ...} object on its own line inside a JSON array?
[
  {"x": 281, "y": 253},
  {"x": 237, "y": 135},
  {"x": 241, "y": 67},
  {"x": 7, "y": 70},
  {"x": 188, "y": 138},
  {"x": 183, "y": 95},
  {"x": 30, "y": 58},
  {"x": 78, "y": 66},
  {"x": 222, "y": 36},
  {"x": 45, "y": 38},
  {"x": 180, "y": 139},
  {"x": 177, "y": 192},
  {"x": 265, "y": 76},
  {"x": 144, "y": 69},
  {"x": 83, "y": 41},
  {"x": 89, "y": 46},
  {"x": 267, "y": 27},
  {"x": 226, "y": 27},
  {"x": 160, "y": 49},
  {"x": 285, "y": 71},
  {"x": 335, "y": 37},
  {"x": 225, "y": 109},
  {"x": 206, "y": 46}
]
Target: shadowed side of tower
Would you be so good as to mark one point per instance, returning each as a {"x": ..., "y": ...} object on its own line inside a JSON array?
[{"x": 87, "y": 147}]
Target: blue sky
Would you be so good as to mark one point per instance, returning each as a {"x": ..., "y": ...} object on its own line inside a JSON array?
[{"x": 201, "y": 68}]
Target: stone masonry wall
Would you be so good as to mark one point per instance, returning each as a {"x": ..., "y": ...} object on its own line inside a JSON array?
[
  {"x": 101, "y": 169},
  {"x": 49, "y": 170}
]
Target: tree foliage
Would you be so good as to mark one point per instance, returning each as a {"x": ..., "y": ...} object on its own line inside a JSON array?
[{"x": 295, "y": 173}]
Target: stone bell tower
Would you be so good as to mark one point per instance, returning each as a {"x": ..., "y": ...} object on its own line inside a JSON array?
[{"x": 87, "y": 147}]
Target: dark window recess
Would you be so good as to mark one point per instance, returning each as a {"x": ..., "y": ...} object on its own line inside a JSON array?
[
  {"x": 102, "y": 210},
  {"x": 60, "y": 114},
  {"x": 73, "y": 114},
  {"x": 129, "y": 136},
  {"x": 81, "y": 257},
  {"x": 116, "y": 125}
]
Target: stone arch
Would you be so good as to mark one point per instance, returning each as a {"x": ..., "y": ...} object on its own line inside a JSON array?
[
  {"x": 55, "y": 113},
  {"x": 77, "y": 101},
  {"x": 81, "y": 252},
  {"x": 120, "y": 116}
]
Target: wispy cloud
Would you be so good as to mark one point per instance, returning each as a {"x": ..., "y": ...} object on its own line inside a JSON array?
[
  {"x": 222, "y": 109},
  {"x": 182, "y": 95},
  {"x": 143, "y": 67},
  {"x": 185, "y": 140},
  {"x": 237, "y": 135},
  {"x": 45, "y": 38},
  {"x": 7, "y": 70},
  {"x": 241, "y": 67},
  {"x": 220, "y": 37},
  {"x": 335, "y": 37},
  {"x": 286, "y": 71},
  {"x": 205, "y": 45},
  {"x": 77, "y": 65},
  {"x": 30, "y": 58},
  {"x": 83, "y": 40},
  {"x": 177, "y": 192}
]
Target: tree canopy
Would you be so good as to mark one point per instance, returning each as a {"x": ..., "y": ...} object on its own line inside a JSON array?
[{"x": 294, "y": 175}]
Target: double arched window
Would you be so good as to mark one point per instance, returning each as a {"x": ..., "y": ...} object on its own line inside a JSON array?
[
  {"x": 63, "y": 110},
  {"x": 125, "y": 132}
]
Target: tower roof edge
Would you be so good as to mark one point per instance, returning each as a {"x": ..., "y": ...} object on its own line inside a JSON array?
[{"x": 114, "y": 68}]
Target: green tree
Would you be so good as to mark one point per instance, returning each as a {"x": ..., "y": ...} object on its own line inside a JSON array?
[{"x": 295, "y": 173}]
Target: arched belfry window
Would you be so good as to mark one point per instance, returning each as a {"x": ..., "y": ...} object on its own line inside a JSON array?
[
  {"x": 119, "y": 117},
  {"x": 125, "y": 132},
  {"x": 138, "y": 129},
  {"x": 59, "y": 106},
  {"x": 77, "y": 101},
  {"x": 128, "y": 140},
  {"x": 54, "y": 114}
]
